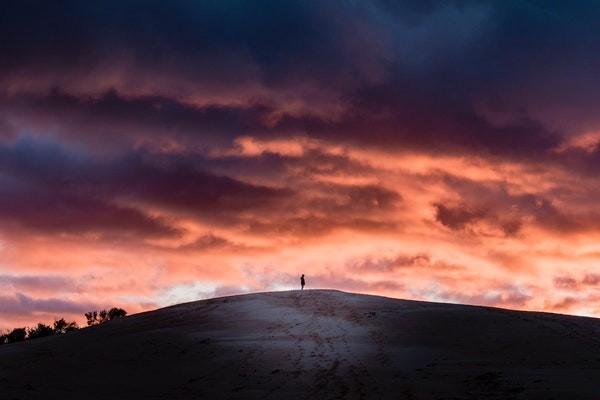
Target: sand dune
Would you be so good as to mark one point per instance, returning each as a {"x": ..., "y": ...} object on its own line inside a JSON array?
[{"x": 316, "y": 344}]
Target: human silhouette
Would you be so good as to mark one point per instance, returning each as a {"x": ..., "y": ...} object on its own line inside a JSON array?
[{"x": 302, "y": 282}]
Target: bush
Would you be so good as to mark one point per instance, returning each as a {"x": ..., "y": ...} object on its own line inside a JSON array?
[
  {"x": 116, "y": 313},
  {"x": 92, "y": 318},
  {"x": 41, "y": 330},
  {"x": 61, "y": 326},
  {"x": 102, "y": 316},
  {"x": 16, "y": 335}
]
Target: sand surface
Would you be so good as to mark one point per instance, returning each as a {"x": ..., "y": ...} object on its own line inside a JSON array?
[{"x": 316, "y": 344}]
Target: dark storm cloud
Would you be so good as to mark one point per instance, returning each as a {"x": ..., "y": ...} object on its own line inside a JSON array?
[
  {"x": 177, "y": 184},
  {"x": 50, "y": 212},
  {"x": 113, "y": 121},
  {"x": 439, "y": 76},
  {"x": 47, "y": 188},
  {"x": 176, "y": 180},
  {"x": 581, "y": 160},
  {"x": 277, "y": 35},
  {"x": 391, "y": 114}
]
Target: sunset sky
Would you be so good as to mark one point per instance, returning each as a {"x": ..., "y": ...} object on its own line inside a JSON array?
[{"x": 158, "y": 152}]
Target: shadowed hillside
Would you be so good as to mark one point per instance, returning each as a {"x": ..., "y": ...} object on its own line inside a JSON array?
[{"x": 316, "y": 344}]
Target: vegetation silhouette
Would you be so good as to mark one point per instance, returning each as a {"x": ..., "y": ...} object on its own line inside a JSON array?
[
  {"x": 16, "y": 335},
  {"x": 41, "y": 330},
  {"x": 116, "y": 313},
  {"x": 60, "y": 326},
  {"x": 102, "y": 316}
]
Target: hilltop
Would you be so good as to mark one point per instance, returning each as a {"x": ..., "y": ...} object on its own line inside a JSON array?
[{"x": 316, "y": 344}]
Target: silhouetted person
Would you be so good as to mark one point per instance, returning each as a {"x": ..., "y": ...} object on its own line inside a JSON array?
[{"x": 302, "y": 282}]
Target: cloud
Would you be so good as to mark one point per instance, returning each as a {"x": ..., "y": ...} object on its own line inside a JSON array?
[
  {"x": 340, "y": 282},
  {"x": 382, "y": 146},
  {"x": 402, "y": 262},
  {"x": 374, "y": 65},
  {"x": 49, "y": 189},
  {"x": 213, "y": 243},
  {"x": 68, "y": 213},
  {"x": 457, "y": 217},
  {"x": 565, "y": 282},
  {"x": 20, "y": 304},
  {"x": 591, "y": 279},
  {"x": 229, "y": 290},
  {"x": 129, "y": 120},
  {"x": 33, "y": 282},
  {"x": 315, "y": 226},
  {"x": 492, "y": 203},
  {"x": 565, "y": 305},
  {"x": 506, "y": 296}
]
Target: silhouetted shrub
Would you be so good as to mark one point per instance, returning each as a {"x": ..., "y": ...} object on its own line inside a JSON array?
[
  {"x": 116, "y": 313},
  {"x": 61, "y": 326},
  {"x": 92, "y": 318},
  {"x": 41, "y": 330},
  {"x": 99, "y": 317},
  {"x": 16, "y": 335}
]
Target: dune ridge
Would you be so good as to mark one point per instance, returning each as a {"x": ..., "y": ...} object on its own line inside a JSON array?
[{"x": 314, "y": 344}]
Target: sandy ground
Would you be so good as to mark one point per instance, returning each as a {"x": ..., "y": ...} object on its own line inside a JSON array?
[{"x": 313, "y": 345}]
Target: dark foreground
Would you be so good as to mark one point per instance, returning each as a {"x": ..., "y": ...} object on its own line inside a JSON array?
[{"x": 313, "y": 345}]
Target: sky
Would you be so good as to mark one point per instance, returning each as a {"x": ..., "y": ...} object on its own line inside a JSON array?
[{"x": 158, "y": 152}]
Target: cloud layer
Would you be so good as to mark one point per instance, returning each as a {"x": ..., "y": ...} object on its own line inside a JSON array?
[{"x": 433, "y": 150}]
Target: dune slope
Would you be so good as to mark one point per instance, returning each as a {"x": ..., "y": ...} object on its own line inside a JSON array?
[{"x": 316, "y": 344}]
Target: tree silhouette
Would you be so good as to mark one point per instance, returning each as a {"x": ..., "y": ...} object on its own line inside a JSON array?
[
  {"x": 102, "y": 316},
  {"x": 16, "y": 335},
  {"x": 92, "y": 318},
  {"x": 61, "y": 326},
  {"x": 115, "y": 312},
  {"x": 41, "y": 330}
]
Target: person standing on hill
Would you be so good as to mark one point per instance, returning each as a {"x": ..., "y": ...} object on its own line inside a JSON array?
[{"x": 302, "y": 282}]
